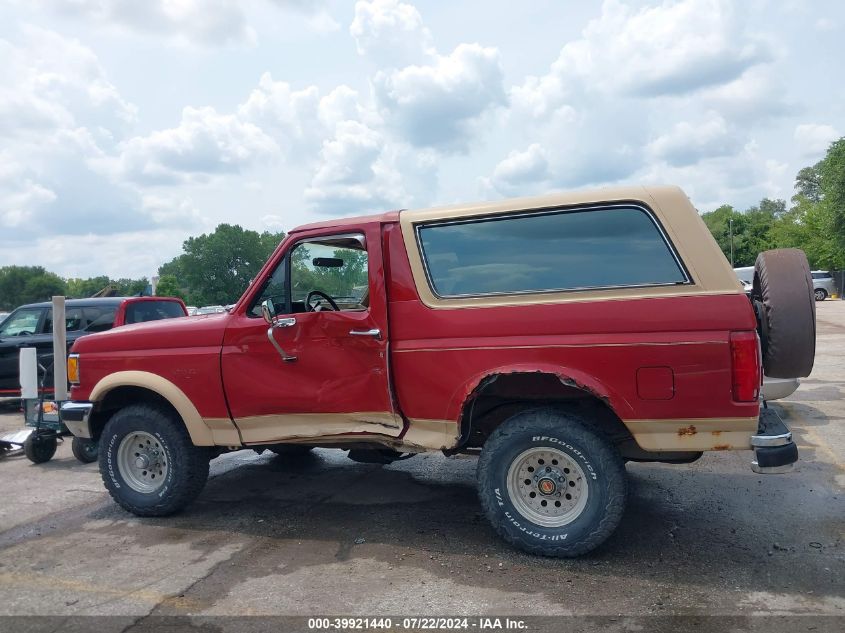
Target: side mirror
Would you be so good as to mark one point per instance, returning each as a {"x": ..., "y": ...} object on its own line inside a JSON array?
[{"x": 268, "y": 311}]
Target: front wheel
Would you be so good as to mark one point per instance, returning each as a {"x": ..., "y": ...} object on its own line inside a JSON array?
[
  {"x": 820, "y": 294},
  {"x": 148, "y": 463},
  {"x": 550, "y": 484}
]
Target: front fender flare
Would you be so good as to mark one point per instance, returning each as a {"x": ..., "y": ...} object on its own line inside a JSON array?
[{"x": 198, "y": 430}]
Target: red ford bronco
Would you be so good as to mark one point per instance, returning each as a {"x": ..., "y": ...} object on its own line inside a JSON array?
[{"x": 560, "y": 336}]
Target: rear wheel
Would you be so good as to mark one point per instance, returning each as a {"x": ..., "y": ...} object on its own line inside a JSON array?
[
  {"x": 148, "y": 463},
  {"x": 550, "y": 484},
  {"x": 39, "y": 449},
  {"x": 84, "y": 450},
  {"x": 820, "y": 294}
]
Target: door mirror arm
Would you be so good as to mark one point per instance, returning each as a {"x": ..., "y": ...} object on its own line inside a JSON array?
[{"x": 274, "y": 321}]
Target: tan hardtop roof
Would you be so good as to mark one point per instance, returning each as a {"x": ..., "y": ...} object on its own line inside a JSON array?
[{"x": 631, "y": 193}]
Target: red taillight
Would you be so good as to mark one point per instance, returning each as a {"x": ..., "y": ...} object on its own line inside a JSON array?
[{"x": 745, "y": 366}]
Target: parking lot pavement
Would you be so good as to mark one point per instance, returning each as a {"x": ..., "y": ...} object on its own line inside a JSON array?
[{"x": 273, "y": 535}]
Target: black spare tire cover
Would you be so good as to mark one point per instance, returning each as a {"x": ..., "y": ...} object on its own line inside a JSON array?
[{"x": 784, "y": 289}]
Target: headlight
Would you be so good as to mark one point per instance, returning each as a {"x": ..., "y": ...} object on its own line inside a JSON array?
[{"x": 73, "y": 369}]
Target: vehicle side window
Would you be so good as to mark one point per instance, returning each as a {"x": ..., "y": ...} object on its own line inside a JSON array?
[
  {"x": 542, "y": 252},
  {"x": 73, "y": 320},
  {"x": 339, "y": 272},
  {"x": 22, "y": 322},
  {"x": 274, "y": 289},
  {"x": 142, "y": 311},
  {"x": 99, "y": 318}
]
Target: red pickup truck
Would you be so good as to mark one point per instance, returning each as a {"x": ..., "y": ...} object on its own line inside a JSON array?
[{"x": 558, "y": 337}]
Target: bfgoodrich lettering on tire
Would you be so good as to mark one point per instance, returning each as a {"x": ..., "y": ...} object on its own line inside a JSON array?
[
  {"x": 148, "y": 463},
  {"x": 550, "y": 484}
]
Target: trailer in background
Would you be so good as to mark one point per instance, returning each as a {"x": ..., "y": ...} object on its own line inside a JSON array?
[{"x": 41, "y": 414}]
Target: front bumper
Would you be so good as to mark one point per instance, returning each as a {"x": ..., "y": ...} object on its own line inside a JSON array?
[
  {"x": 774, "y": 450},
  {"x": 76, "y": 416}
]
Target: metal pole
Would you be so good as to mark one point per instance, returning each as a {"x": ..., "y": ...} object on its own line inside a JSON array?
[
  {"x": 59, "y": 350},
  {"x": 731, "y": 229}
]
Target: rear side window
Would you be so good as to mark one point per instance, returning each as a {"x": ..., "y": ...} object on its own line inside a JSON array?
[
  {"x": 99, "y": 318},
  {"x": 540, "y": 252},
  {"x": 822, "y": 276},
  {"x": 142, "y": 311}
]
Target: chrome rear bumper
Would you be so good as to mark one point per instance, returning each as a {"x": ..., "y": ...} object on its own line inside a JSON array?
[{"x": 774, "y": 450}]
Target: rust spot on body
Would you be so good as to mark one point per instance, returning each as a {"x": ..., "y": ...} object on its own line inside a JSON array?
[
  {"x": 716, "y": 433},
  {"x": 687, "y": 430},
  {"x": 722, "y": 447}
]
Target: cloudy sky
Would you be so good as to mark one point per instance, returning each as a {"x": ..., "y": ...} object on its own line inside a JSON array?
[{"x": 126, "y": 125}]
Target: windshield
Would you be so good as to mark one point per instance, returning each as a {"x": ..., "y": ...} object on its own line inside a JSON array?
[{"x": 21, "y": 323}]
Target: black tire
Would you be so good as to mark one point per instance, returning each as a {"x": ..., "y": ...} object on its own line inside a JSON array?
[
  {"x": 820, "y": 294},
  {"x": 39, "y": 449},
  {"x": 291, "y": 450},
  {"x": 600, "y": 462},
  {"x": 784, "y": 287},
  {"x": 84, "y": 450},
  {"x": 187, "y": 465}
]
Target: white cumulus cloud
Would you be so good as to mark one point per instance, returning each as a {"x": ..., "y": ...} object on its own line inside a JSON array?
[
  {"x": 204, "y": 143},
  {"x": 390, "y": 32},
  {"x": 437, "y": 105},
  {"x": 207, "y": 22},
  {"x": 667, "y": 49},
  {"x": 813, "y": 139},
  {"x": 687, "y": 142},
  {"x": 355, "y": 176}
]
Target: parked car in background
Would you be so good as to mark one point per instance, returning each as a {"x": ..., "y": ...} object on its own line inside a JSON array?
[
  {"x": 192, "y": 310},
  {"x": 32, "y": 326},
  {"x": 211, "y": 310},
  {"x": 823, "y": 285}
]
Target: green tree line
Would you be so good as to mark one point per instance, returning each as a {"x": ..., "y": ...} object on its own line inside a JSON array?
[
  {"x": 214, "y": 268},
  {"x": 814, "y": 221},
  {"x": 29, "y": 284}
]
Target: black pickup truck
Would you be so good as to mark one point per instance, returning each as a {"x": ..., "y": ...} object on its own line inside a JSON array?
[{"x": 32, "y": 326}]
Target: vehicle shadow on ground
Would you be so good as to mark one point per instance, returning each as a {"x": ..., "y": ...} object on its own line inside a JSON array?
[{"x": 713, "y": 529}]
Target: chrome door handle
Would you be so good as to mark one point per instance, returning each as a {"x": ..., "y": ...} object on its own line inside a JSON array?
[
  {"x": 374, "y": 332},
  {"x": 280, "y": 323}
]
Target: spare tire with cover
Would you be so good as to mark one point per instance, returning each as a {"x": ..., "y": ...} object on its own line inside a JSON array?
[{"x": 786, "y": 312}]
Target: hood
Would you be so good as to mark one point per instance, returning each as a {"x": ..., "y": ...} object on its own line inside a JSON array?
[{"x": 196, "y": 331}]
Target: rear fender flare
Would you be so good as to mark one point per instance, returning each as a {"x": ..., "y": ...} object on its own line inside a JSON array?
[{"x": 568, "y": 376}]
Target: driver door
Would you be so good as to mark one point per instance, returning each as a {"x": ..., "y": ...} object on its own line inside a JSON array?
[{"x": 319, "y": 371}]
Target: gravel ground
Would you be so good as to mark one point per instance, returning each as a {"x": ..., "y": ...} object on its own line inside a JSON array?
[{"x": 323, "y": 535}]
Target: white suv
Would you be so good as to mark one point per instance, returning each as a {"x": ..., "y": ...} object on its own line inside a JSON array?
[{"x": 822, "y": 284}]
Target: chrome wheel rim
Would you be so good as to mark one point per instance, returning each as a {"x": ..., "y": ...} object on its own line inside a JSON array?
[
  {"x": 547, "y": 487},
  {"x": 142, "y": 462},
  {"x": 819, "y": 295}
]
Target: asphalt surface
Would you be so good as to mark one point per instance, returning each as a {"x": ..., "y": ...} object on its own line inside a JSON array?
[{"x": 324, "y": 535}]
